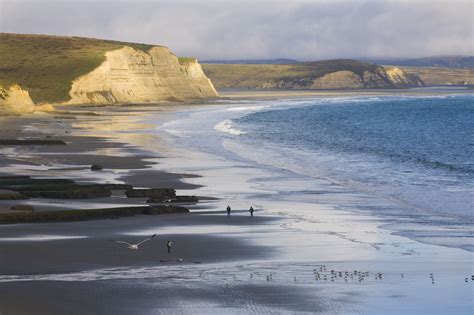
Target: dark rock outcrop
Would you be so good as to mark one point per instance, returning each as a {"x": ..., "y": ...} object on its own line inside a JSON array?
[
  {"x": 57, "y": 188},
  {"x": 23, "y": 208},
  {"x": 90, "y": 214},
  {"x": 158, "y": 194},
  {"x": 30, "y": 142},
  {"x": 11, "y": 195},
  {"x": 96, "y": 167}
]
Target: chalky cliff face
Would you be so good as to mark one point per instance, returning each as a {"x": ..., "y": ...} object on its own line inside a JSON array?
[
  {"x": 134, "y": 76},
  {"x": 15, "y": 101}
]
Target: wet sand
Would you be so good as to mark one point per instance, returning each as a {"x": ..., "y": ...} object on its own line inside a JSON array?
[
  {"x": 279, "y": 262},
  {"x": 150, "y": 297},
  {"x": 87, "y": 245}
]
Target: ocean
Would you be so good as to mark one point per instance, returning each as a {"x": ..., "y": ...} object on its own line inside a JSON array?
[
  {"x": 417, "y": 150},
  {"x": 407, "y": 159}
]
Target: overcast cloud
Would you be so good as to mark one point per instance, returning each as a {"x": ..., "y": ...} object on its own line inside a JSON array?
[{"x": 299, "y": 29}]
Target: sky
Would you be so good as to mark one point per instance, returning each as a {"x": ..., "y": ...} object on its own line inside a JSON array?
[{"x": 259, "y": 29}]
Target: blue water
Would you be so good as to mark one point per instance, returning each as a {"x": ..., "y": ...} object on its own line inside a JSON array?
[{"x": 417, "y": 150}]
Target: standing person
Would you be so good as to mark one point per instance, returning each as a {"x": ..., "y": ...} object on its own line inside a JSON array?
[
  {"x": 228, "y": 210},
  {"x": 168, "y": 245},
  {"x": 251, "y": 211}
]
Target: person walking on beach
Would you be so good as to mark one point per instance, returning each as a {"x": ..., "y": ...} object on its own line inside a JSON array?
[
  {"x": 228, "y": 210},
  {"x": 168, "y": 245},
  {"x": 251, "y": 211}
]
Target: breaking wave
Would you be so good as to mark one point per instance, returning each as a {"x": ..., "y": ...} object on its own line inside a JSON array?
[{"x": 227, "y": 127}]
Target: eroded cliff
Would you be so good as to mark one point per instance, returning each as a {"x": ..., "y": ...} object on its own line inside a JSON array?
[
  {"x": 130, "y": 75},
  {"x": 15, "y": 101}
]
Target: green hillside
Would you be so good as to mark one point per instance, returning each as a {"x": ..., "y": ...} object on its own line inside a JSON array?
[{"x": 47, "y": 65}]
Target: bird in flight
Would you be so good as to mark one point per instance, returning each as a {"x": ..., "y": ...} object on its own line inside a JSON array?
[{"x": 135, "y": 246}]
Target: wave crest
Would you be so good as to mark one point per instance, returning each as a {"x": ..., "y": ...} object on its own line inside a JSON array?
[{"x": 227, "y": 127}]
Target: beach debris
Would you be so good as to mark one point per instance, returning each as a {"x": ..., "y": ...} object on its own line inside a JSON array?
[
  {"x": 96, "y": 167},
  {"x": 135, "y": 246}
]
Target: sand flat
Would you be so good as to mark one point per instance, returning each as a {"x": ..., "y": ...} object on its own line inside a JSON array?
[{"x": 305, "y": 251}]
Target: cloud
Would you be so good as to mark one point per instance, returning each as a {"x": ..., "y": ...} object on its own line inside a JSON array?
[{"x": 300, "y": 29}]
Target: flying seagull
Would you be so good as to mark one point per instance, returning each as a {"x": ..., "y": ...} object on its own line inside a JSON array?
[{"x": 135, "y": 246}]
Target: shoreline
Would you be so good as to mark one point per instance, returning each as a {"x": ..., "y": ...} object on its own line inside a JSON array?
[
  {"x": 291, "y": 245},
  {"x": 282, "y": 94},
  {"x": 382, "y": 205}
]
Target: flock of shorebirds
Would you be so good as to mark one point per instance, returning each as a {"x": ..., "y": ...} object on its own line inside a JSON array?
[
  {"x": 333, "y": 275},
  {"x": 320, "y": 274}
]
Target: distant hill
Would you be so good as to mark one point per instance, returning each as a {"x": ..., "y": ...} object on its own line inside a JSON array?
[
  {"x": 252, "y": 61},
  {"x": 443, "y": 76},
  {"x": 438, "y": 61},
  {"x": 327, "y": 74}
]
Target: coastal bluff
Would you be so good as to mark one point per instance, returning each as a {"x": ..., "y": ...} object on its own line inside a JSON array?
[
  {"x": 39, "y": 70},
  {"x": 15, "y": 101},
  {"x": 381, "y": 77},
  {"x": 130, "y": 75}
]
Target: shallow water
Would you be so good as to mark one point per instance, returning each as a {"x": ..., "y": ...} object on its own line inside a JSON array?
[
  {"x": 417, "y": 150},
  {"x": 383, "y": 151}
]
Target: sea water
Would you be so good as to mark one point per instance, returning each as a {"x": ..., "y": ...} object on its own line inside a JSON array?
[
  {"x": 407, "y": 159},
  {"x": 415, "y": 150}
]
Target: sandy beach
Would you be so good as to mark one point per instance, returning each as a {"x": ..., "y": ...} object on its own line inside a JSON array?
[{"x": 308, "y": 249}]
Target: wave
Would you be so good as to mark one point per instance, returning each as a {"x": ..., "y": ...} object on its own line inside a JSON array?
[{"x": 227, "y": 127}]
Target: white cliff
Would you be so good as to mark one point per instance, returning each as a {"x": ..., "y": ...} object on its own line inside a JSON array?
[{"x": 129, "y": 75}]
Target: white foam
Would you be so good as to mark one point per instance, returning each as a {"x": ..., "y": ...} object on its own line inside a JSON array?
[{"x": 226, "y": 126}]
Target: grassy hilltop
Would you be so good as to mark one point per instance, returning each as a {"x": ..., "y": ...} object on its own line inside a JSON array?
[{"x": 47, "y": 65}]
